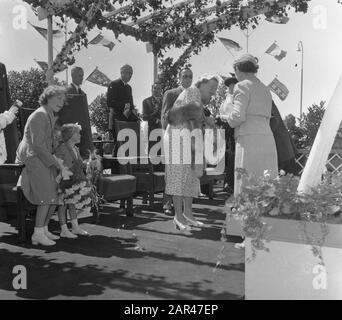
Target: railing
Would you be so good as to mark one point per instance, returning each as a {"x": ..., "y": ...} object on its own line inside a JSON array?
[{"x": 334, "y": 162}]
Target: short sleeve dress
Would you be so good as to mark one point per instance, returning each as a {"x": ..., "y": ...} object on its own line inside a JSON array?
[{"x": 181, "y": 179}]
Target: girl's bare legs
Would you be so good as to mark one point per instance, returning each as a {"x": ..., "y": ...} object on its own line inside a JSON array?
[
  {"x": 74, "y": 222},
  {"x": 65, "y": 232}
]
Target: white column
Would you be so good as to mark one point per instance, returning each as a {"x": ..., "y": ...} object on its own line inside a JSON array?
[
  {"x": 49, "y": 73},
  {"x": 323, "y": 142}
]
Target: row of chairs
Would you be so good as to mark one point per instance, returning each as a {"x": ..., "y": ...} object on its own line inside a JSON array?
[{"x": 124, "y": 182}]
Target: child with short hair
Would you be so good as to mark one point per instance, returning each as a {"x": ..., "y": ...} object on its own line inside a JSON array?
[{"x": 74, "y": 193}]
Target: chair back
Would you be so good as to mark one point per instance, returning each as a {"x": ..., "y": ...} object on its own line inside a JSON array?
[{"x": 135, "y": 127}]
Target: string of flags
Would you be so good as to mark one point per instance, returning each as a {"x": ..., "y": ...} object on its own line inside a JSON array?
[
  {"x": 44, "y": 65},
  {"x": 101, "y": 40},
  {"x": 230, "y": 44},
  {"x": 99, "y": 78},
  {"x": 278, "y": 20},
  {"x": 149, "y": 47},
  {"x": 43, "y": 32},
  {"x": 279, "y": 89},
  {"x": 275, "y": 51}
]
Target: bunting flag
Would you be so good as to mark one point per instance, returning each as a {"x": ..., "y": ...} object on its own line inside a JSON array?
[
  {"x": 44, "y": 65},
  {"x": 149, "y": 47},
  {"x": 43, "y": 32},
  {"x": 99, "y": 78},
  {"x": 279, "y": 89},
  {"x": 278, "y": 20},
  {"x": 275, "y": 51},
  {"x": 230, "y": 44},
  {"x": 101, "y": 40}
]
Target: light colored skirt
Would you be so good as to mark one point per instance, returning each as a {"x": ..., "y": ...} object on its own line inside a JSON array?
[
  {"x": 180, "y": 179},
  {"x": 255, "y": 153}
]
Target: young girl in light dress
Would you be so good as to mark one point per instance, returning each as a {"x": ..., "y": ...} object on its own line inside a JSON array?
[{"x": 75, "y": 192}]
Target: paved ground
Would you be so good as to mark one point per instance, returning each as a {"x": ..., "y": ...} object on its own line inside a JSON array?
[{"x": 142, "y": 257}]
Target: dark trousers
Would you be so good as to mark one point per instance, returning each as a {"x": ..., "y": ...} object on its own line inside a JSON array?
[{"x": 289, "y": 166}]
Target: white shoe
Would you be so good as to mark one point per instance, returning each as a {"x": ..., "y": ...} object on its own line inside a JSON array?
[
  {"x": 41, "y": 238},
  {"x": 79, "y": 231},
  {"x": 239, "y": 245},
  {"x": 68, "y": 234},
  {"x": 180, "y": 226},
  {"x": 194, "y": 222},
  {"x": 50, "y": 235}
]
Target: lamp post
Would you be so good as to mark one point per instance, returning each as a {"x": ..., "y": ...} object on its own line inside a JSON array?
[{"x": 301, "y": 49}]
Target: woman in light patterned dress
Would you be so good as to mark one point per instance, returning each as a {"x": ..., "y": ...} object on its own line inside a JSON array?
[{"x": 182, "y": 174}]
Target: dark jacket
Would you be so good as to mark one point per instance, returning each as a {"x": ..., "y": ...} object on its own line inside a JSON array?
[
  {"x": 71, "y": 89},
  {"x": 76, "y": 110},
  {"x": 10, "y": 132},
  {"x": 169, "y": 98},
  {"x": 118, "y": 95},
  {"x": 286, "y": 149},
  {"x": 151, "y": 112}
]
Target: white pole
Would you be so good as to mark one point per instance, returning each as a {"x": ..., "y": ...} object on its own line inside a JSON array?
[
  {"x": 323, "y": 142},
  {"x": 49, "y": 73},
  {"x": 66, "y": 38},
  {"x": 155, "y": 68}
]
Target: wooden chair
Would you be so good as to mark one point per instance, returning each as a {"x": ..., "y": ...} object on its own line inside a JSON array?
[
  {"x": 10, "y": 193},
  {"x": 149, "y": 180},
  {"x": 115, "y": 186},
  {"x": 208, "y": 180}
]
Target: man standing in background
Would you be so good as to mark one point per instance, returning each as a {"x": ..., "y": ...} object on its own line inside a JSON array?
[
  {"x": 120, "y": 102},
  {"x": 151, "y": 110},
  {"x": 76, "y": 110}
]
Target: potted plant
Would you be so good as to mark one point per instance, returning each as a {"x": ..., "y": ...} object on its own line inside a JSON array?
[{"x": 281, "y": 227}]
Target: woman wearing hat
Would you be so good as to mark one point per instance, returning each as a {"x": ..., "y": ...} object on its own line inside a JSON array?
[{"x": 250, "y": 116}]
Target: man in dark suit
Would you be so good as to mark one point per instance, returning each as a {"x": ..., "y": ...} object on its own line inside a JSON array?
[
  {"x": 169, "y": 98},
  {"x": 120, "y": 99},
  {"x": 151, "y": 111},
  {"x": 286, "y": 150},
  {"x": 10, "y": 133},
  {"x": 120, "y": 103},
  {"x": 76, "y": 111}
]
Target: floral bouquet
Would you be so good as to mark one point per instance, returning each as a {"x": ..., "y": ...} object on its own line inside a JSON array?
[
  {"x": 75, "y": 188},
  {"x": 93, "y": 174}
]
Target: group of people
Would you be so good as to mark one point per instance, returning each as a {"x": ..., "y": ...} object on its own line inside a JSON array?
[
  {"x": 256, "y": 137},
  {"x": 53, "y": 165}
]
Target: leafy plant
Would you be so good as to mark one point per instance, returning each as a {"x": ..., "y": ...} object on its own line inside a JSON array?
[
  {"x": 99, "y": 113},
  {"x": 27, "y": 86},
  {"x": 278, "y": 197}
]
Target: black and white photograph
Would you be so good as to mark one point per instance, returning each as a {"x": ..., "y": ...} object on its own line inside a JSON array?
[{"x": 170, "y": 155}]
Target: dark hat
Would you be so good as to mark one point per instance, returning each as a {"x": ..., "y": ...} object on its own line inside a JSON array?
[{"x": 230, "y": 80}]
